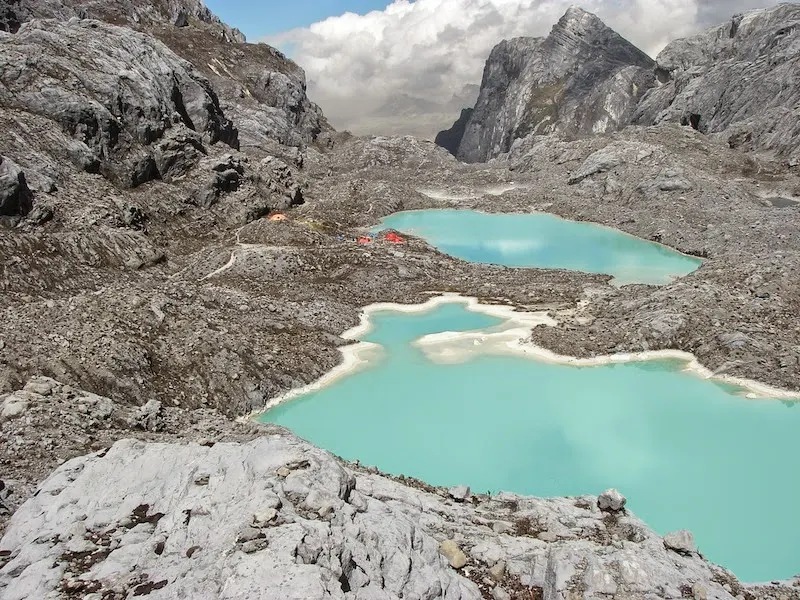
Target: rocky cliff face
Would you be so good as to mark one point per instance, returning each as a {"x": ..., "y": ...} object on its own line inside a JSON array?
[
  {"x": 738, "y": 81},
  {"x": 582, "y": 79},
  {"x": 128, "y": 107}
]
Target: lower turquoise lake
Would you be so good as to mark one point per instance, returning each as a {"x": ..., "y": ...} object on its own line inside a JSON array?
[
  {"x": 687, "y": 452},
  {"x": 545, "y": 241}
]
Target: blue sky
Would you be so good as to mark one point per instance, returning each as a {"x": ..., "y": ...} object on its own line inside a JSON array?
[{"x": 259, "y": 18}]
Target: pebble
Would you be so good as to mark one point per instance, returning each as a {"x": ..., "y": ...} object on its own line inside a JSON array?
[
  {"x": 499, "y": 593},
  {"x": 498, "y": 571},
  {"x": 283, "y": 472}
]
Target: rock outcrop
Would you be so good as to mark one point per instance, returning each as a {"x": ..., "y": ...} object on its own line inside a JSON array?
[
  {"x": 582, "y": 79},
  {"x": 15, "y": 196},
  {"x": 738, "y": 80},
  {"x": 278, "y": 518},
  {"x": 127, "y": 104},
  {"x": 133, "y": 14}
]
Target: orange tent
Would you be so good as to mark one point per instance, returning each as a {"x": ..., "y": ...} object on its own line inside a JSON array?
[
  {"x": 278, "y": 217},
  {"x": 395, "y": 238}
]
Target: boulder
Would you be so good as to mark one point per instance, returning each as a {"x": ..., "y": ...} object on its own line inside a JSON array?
[
  {"x": 454, "y": 555},
  {"x": 680, "y": 541},
  {"x": 149, "y": 417},
  {"x": 381, "y": 539},
  {"x": 13, "y": 407},
  {"x": 459, "y": 493},
  {"x": 611, "y": 500},
  {"x": 16, "y": 198}
]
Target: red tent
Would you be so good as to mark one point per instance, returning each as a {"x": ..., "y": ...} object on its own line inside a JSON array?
[{"x": 395, "y": 238}]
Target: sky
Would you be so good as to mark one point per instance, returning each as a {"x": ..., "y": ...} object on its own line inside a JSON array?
[
  {"x": 375, "y": 65},
  {"x": 260, "y": 18}
]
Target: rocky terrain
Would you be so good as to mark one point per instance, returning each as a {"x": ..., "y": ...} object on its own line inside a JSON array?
[
  {"x": 138, "y": 262},
  {"x": 278, "y": 518},
  {"x": 737, "y": 82}
]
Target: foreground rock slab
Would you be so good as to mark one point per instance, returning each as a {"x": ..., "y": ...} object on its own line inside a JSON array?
[{"x": 278, "y": 518}]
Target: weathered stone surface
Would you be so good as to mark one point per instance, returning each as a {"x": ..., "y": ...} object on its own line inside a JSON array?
[
  {"x": 737, "y": 81},
  {"x": 13, "y": 407},
  {"x": 454, "y": 555},
  {"x": 459, "y": 493},
  {"x": 135, "y": 96},
  {"x": 134, "y": 509},
  {"x": 134, "y": 14},
  {"x": 611, "y": 500},
  {"x": 680, "y": 541},
  {"x": 149, "y": 417},
  {"x": 15, "y": 196},
  {"x": 582, "y": 79}
]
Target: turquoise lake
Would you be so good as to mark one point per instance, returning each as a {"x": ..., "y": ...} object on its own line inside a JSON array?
[
  {"x": 545, "y": 241},
  {"x": 688, "y": 453}
]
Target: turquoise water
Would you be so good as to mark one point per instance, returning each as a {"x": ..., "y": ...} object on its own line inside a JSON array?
[
  {"x": 686, "y": 452},
  {"x": 545, "y": 241}
]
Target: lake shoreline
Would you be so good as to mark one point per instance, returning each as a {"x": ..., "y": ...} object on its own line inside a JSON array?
[{"x": 508, "y": 340}]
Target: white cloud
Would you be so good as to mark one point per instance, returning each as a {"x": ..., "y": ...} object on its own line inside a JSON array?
[{"x": 432, "y": 48}]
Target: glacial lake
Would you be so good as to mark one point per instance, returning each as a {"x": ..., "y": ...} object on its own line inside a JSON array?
[
  {"x": 687, "y": 452},
  {"x": 545, "y": 241}
]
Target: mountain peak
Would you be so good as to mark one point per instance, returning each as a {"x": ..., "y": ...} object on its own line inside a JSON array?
[{"x": 578, "y": 20}]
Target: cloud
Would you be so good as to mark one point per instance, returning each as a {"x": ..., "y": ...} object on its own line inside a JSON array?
[{"x": 431, "y": 49}]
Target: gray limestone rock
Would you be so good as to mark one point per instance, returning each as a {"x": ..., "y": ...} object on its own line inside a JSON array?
[
  {"x": 736, "y": 81},
  {"x": 680, "y": 541},
  {"x": 142, "y": 15},
  {"x": 136, "y": 95},
  {"x": 611, "y": 500},
  {"x": 582, "y": 79},
  {"x": 149, "y": 417},
  {"x": 13, "y": 407},
  {"x": 135, "y": 509},
  {"x": 15, "y": 196},
  {"x": 459, "y": 493}
]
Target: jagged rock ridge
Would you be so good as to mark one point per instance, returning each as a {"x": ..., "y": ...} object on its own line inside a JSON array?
[
  {"x": 131, "y": 13},
  {"x": 738, "y": 80},
  {"x": 582, "y": 79}
]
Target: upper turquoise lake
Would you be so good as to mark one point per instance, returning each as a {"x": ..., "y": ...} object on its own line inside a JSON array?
[
  {"x": 688, "y": 453},
  {"x": 545, "y": 241}
]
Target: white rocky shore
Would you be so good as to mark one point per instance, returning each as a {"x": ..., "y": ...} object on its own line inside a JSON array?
[{"x": 279, "y": 518}]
